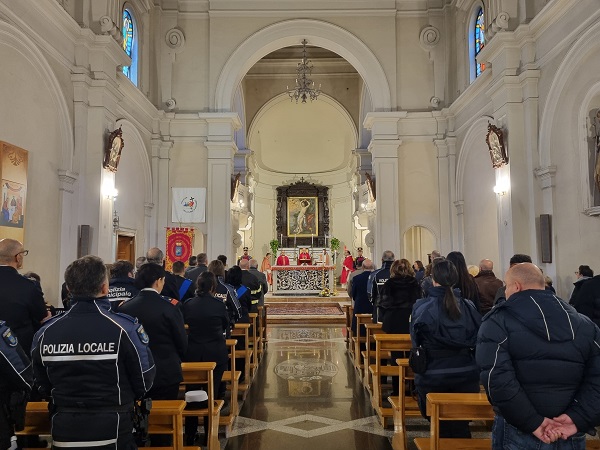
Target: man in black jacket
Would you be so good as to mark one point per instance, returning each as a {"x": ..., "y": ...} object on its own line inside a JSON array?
[
  {"x": 94, "y": 363},
  {"x": 121, "y": 285},
  {"x": 22, "y": 303},
  {"x": 156, "y": 256},
  {"x": 376, "y": 281},
  {"x": 540, "y": 365}
]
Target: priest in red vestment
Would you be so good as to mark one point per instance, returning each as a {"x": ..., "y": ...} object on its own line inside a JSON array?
[
  {"x": 304, "y": 257},
  {"x": 347, "y": 268},
  {"x": 283, "y": 260}
]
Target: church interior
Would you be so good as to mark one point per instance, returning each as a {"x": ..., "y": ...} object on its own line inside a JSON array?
[{"x": 402, "y": 125}]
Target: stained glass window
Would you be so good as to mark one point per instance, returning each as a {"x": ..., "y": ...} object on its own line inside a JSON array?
[
  {"x": 479, "y": 40},
  {"x": 128, "y": 40}
]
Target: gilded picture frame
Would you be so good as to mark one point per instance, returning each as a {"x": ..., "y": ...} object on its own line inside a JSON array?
[
  {"x": 302, "y": 216},
  {"x": 495, "y": 142},
  {"x": 112, "y": 152}
]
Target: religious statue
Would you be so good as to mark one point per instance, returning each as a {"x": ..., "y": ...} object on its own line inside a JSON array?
[{"x": 597, "y": 142}]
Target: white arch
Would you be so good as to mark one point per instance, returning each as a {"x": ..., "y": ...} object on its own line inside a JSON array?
[
  {"x": 587, "y": 43},
  {"x": 142, "y": 155},
  {"x": 474, "y": 135},
  {"x": 20, "y": 42},
  {"x": 291, "y": 32}
]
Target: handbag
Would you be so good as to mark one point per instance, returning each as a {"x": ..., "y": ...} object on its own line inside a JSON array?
[{"x": 417, "y": 359}]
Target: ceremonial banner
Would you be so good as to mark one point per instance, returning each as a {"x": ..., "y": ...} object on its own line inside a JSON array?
[
  {"x": 180, "y": 242},
  {"x": 13, "y": 188},
  {"x": 189, "y": 205}
]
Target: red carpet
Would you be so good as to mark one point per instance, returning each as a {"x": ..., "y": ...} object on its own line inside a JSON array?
[{"x": 304, "y": 309}]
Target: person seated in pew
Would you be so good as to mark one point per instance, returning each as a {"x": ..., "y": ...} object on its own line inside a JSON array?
[
  {"x": 446, "y": 326},
  {"x": 208, "y": 324}
]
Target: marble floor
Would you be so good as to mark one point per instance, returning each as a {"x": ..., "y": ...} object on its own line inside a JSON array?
[{"x": 305, "y": 395}]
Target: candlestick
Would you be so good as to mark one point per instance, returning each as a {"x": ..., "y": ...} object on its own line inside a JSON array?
[
  {"x": 281, "y": 240},
  {"x": 311, "y": 241}
]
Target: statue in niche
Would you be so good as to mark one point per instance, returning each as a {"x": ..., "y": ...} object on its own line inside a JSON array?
[{"x": 594, "y": 157}]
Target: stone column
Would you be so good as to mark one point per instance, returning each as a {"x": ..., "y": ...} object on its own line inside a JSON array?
[
  {"x": 221, "y": 151},
  {"x": 384, "y": 150},
  {"x": 446, "y": 194}
]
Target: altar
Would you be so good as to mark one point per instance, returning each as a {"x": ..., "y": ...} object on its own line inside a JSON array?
[{"x": 302, "y": 280}]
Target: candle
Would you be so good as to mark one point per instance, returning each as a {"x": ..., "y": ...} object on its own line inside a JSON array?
[
  {"x": 280, "y": 239},
  {"x": 294, "y": 241},
  {"x": 311, "y": 241}
]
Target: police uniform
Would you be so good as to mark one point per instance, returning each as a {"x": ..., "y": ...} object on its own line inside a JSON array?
[
  {"x": 22, "y": 305},
  {"x": 163, "y": 321},
  {"x": 255, "y": 288},
  {"x": 95, "y": 363},
  {"x": 227, "y": 294},
  {"x": 16, "y": 376},
  {"x": 121, "y": 290},
  {"x": 376, "y": 281}
]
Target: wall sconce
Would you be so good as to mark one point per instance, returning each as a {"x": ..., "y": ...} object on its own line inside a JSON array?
[
  {"x": 115, "y": 221},
  {"x": 501, "y": 188},
  {"x": 109, "y": 191}
]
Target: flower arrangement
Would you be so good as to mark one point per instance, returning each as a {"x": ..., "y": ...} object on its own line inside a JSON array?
[
  {"x": 335, "y": 244},
  {"x": 274, "y": 244}
]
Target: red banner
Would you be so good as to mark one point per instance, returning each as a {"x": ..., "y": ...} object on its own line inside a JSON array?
[{"x": 180, "y": 242}]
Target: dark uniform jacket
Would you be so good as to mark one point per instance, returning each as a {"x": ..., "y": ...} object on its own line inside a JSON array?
[
  {"x": 170, "y": 288},
  {"x": 587, "y": 299},
  {"x": 540, "y": 358},
  {"x": 375, "y": 283},
  {"x": 449, "y": 344},
  {"x": 185, "y": 292},
  {"x": 264, "y": 285},
  {"x": 362, "y": 305},
  {"x": 121, "y": 290},
  {"x": 163, "y": 322},
  {"x": 22, "y": 305},
  {"x": 255, "y": 288},
  {"x": 194, "y": 272},
  {"x": 227, "y": 294},
  {"x": 15, "y": 376},
  {"x": 95, "y": 363},
  {"x": 398, "y": 295},
  {"x": 208, "y": 324}
]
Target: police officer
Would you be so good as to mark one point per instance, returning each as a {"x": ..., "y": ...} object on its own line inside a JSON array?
[
  {"x": 162, "y": 319},
  {"x": 156, "y": 256},
  {"x": 227, "y": 294},
  {"x": 94, "y": 363},
  {"x": 376, "y": 281},
  {"x": 22, "y": 303},
  {"x": 16, "y": 379},
  {"x": 121, "y": 286},
  {"x": 251, "y": 282}
]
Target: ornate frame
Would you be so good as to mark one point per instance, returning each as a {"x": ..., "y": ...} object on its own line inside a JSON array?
[
  {"x": 495, "y": 142},
  {"x": 113, "y": 149}
]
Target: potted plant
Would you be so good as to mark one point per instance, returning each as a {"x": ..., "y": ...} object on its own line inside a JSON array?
[{"x": 274, "y": 244}]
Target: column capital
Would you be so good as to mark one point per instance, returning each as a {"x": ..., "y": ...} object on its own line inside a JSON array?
[
  {"x": 383, "y": 125},
  {"x": 387, "y": 148},
  {"x": 221, "y": 126},
  {"x": 221, "y": 149},
  {"x": 460, "y": 207},
  {"x": 66, "y": 180},
  {"x": 545, "y": 176}
]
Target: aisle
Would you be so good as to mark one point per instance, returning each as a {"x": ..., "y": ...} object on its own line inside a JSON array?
[{"x": 306, "y": 395}]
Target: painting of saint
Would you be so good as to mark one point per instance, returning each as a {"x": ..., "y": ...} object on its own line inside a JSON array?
[
  {"x": 13, "y": 201},
  {"x": 302, "y": 216}
]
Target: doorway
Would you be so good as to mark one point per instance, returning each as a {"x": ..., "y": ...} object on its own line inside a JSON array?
[{"x": 126, "y": 248}]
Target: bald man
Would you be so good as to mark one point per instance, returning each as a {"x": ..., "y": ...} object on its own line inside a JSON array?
[
  {"x": 540, "y": 365},
  {"x": 22, "y": 303},
  {"x": 488, "y": 285}
]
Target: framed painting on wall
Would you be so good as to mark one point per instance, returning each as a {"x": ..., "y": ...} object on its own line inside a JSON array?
[
  {"x": 302, "y": 216},
  {"x": 13, "y": 190}
]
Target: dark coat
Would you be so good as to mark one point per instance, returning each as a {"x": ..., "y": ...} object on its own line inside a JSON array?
[
  {"x": 488, "y": 286},
  {"x": 587, "y": 300},
  {"x": 255, "y": 288},
  {"x": 121, "y": 290},
  {"x": 189, "y": 292},
  {"x": 398, "y": 295},
  {"x": 264, "y": 285},
  {"x": 22, "y": 305},
  {"x": 170, "y": 288},
  {"x": 195, "y": 272},
  {"x": 449, "y": 343},
  {"x": 540, "y": 358},
  {"x": 362, "y": 305},
  {"x": 208, "y": 322},
  {"x": 168, "y": 340}
]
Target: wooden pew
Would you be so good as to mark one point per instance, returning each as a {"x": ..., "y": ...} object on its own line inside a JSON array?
[
  {"x": 403, "y": 406},
  {"x": 368, "y": 354},
  {"x": 384, "y": 344},
  {"x": 255, "y": 342},
  {"x": 241, "y": 331},
  {"x": 202, "y": 373},
  {"x": 455, "y": 406},
  {"x": 361, "y": 320},
  {"x": 232, "y": 378},
  {"x": 262, "y": 328},
  {"x": 348, "y": 311}
]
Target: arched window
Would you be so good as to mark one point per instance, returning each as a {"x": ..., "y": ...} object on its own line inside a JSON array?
[
  {"x": 130, "y": 45},
  {"x": 479, "y": 40}
]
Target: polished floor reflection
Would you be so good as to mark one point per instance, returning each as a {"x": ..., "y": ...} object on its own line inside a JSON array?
[{"x": 306, "y": 394}]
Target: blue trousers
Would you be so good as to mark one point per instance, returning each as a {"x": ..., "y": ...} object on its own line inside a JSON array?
[{"x": 507, "y": 437}]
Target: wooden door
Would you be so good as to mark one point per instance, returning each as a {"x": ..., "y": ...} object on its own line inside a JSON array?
[{"x": 126, "y": 248}]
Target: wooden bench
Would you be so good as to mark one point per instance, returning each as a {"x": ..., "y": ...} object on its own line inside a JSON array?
[
  {"x": 262, "y": 328},
  {"x": 241, "y": 332},
  {"x": 384, "y": 344},
  {"x": 403, "y": 406},
  {"x": 368, "y": 354},
  {"x": 361, "y": 320},
  {"x": 232, "y": 378},
  {"x": 202, "y": 373},
  {"x": 255, "y": 342},
  {"x": 348, "y": 312},
  {"x": 455, "y": 406}
]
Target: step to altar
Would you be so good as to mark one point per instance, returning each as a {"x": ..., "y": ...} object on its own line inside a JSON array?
[
  {"x": 306, "y": 309},
  {"x": 342, "y": 298}
]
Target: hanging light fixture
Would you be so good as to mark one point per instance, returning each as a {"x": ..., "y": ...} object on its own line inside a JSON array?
[{"x": 305, "y": 87}]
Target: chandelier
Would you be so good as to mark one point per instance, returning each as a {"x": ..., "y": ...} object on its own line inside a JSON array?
[{"x": 305, "y": 87}]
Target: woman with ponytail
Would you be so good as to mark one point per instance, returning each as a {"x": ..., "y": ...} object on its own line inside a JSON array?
[{"x": 445, "y": 325}]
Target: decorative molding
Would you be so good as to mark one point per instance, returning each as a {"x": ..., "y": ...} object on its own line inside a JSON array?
[
  {"x": 500, "y": 22},
  {"x": 435, "y": 102},
  {"x": 66, "y": 180},
  {"x": 593, "y": 211},
  {"x": 429, "y": 38},
  {"x": 175, "y": 40},
  {"x": 171, "y": 104},
  {"x": 545, "y": 176},
  {"x": 108, "y": 27},
  {"x": 460, "y": 207}
]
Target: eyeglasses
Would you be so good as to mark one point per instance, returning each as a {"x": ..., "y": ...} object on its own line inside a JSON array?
[{"x": 24, "y": 253}]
